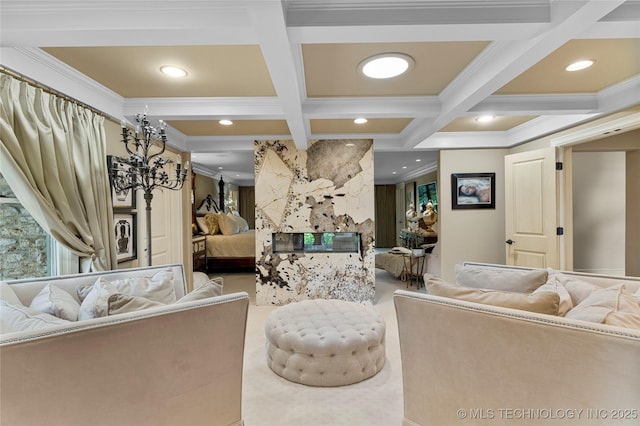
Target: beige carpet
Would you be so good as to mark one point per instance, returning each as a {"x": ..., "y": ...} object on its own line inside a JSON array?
[{"x": 269, "y": 400}]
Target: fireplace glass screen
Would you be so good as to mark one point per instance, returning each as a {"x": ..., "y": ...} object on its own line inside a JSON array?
[{"x": 316, "y": 242}]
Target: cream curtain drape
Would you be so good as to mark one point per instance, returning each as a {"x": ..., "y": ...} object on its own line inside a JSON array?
[{"x": 53, "y": 156}]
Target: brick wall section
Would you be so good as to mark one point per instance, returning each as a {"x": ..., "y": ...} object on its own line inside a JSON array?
[{"x": 23, "y": 243}]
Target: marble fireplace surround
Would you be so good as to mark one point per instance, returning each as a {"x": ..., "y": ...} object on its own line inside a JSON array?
[{"x": 327, "y": 188}]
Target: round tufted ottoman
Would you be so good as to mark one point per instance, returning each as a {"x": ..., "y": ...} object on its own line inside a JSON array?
[{"x": 325, "y": 342}]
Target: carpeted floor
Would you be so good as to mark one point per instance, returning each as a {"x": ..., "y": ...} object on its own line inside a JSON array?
[{"x": 269, "y": 400}]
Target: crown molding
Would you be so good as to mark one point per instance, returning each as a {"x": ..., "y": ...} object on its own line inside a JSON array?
[{"x": 598, "y": 130}]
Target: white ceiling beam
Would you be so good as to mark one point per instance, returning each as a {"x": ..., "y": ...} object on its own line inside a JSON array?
[
  {"x": 502, "y": 61},
  {"x": 422, "y": 106},
  {"x": 578, "y": 103},
  {"x": 207, "y": 108},
  {"x": 269, "y": 24}
]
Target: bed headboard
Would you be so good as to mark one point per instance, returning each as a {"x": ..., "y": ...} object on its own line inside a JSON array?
[{"x": 208, "y": 205}]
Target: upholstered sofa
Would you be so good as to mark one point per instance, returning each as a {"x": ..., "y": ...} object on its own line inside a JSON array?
[
  {"x": 469, "y": 363},
  {"x": 175, "y": 364}
]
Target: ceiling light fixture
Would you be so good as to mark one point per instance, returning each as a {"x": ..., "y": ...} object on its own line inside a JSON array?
[
  {"x": 418, "y": 160},
  {"x": 485, "y": 118},
  {"x": 349, "y": 144},
  {"x": 579, "y": 65},
  {"x": 360, "y": 120},
  {"x": 386, "y": 65},
  {"x": 172, "y": 71},
  {"x": 226, "y": 122}
]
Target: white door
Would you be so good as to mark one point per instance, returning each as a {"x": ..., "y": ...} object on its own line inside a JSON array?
[
  {"x": 530, "y": 209},
  {"x": 166, "y": 228}
]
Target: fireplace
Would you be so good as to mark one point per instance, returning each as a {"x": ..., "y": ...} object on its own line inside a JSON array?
[{"x": 316, "y": 242}]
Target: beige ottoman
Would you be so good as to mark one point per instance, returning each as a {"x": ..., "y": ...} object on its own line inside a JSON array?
[{"x": 325, "y": 342}]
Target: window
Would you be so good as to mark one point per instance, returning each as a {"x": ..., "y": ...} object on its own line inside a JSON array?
[{"x": 26, "y": 250}]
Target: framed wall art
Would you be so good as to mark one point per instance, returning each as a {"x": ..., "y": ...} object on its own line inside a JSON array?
[
  {"x": 473, "y": 191},
  {"x": 121, "y": 200},
  {"x": 426, "y": 192},
  {"x": 124, "y": 229}
]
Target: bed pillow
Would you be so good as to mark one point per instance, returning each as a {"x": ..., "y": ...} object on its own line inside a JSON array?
[
  {"x": 523, "y": 281},
  {"x": 55, "y": 301},
  {"x": 228, "y": 225},
  {"x": 212, "y": 220},
  {"x": 8, "y": 295},
  {"x": 243, "y": 225},
  {"x": 20, "y": 318},
  {"x": 202, "y": 225},
  {"x": 121, "y": 303},
  {"x": 612, "y": 305},
  {"x": 543, "y": 302},
  {"x": 578, "y": 289}
]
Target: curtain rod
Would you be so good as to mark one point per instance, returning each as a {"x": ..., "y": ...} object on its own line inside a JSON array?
[{"x": 53, "y": 91}]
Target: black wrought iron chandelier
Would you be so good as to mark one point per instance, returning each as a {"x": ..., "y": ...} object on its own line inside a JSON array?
[{"x": 144, "y": 168}]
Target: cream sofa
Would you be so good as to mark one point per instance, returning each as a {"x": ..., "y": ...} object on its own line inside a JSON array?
[
  {"x": 465, "y": 363},
  {"x": 179, "y": 364}
]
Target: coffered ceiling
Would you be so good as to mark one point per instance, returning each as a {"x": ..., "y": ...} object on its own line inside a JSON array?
[{"x": 290, "y": 69}]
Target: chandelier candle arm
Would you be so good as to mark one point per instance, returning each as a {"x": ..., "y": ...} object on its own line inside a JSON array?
[{"x": 144, "y": 168}]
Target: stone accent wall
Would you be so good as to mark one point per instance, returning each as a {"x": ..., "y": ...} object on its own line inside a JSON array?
[
  {"x": 328, "y": 188},
  {"x": 23, "y": 243}
]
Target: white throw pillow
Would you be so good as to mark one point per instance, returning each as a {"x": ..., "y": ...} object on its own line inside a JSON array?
[
  {"x": 211, "y": 288},
  {"x": 228, "y": 225},
  {"x": 158, "y": 287},
  {"x": 493, "y": 278},
  {"x": 612, "y": 306},
  {"x": 55, "y": 301},
  {"x": 578, "y": 289},
  {"x": 121, "y": 303},
  {"x": 202, "y": 224},
  {"x": 8, "y": 295},
  {"x": 20, "y": 318},
  {"x": 96, "y": 303}
]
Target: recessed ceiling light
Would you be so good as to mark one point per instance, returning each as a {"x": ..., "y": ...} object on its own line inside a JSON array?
[
  {"x": 404, "y": 167},
  {"x": 219, "y": 167},
  {"x": 360, "y": 120},
  {"x": 172, "y": 71},
  {"x": 226, "y": 122},
  {"x": 418, "y": 160},
  {"x": 393, "y": 173},
  {"x": 386, "y": 65},
  {"x": 349, "y": 144},
  {"x": 579, "y": 65},
  {"x": 485, "y": 118}
]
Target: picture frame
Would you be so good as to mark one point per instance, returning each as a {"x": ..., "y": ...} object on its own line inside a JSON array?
[
  {"x": 473, "y": 191},
  {"x": 121, "y": 200},
  {"x": 426, "y": 192},
  {"x": 124, "y": 229},
  {"x": 410, "y": 196}
]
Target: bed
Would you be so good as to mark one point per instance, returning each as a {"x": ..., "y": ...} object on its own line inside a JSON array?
[{"x": 229, "y": 241}]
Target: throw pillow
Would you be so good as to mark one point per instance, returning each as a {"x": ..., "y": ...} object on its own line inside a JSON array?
[
  {"x": 158, "y": 287},
  {"x": 543, "y": 303},
  {"x": 555, "y": 287},
  {"x": 55, "y": 301},
  {"x": 8, "y": 295},
  {"x": 243, "y": 225},
  {"x": 228, "y": 226},
  {"x": 523, "y": 281},
  {"x": 20, "y": 318},
  {"x": 612, "y": 306},
  {"x": 578, "y": 289},
  {"x": 211, "y": 288},
  {"x": 121, "y": 303},
  {"x": 96, "y": 303},
  {"x": 212, "y": 219},
  {"x": 202, "y": 225}
]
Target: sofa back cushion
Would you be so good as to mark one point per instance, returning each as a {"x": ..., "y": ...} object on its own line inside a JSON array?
[
  {"x": 541, "y": 302},
  {"x": 519, "y": 280}
]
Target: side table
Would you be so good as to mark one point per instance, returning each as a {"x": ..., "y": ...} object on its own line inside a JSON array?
[
  {"x": 199, "y": 251},
  {"x": 413, "y": 269}
]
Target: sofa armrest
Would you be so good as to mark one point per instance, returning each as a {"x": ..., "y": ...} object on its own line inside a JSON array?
[{"x": 460, "y": 355}]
